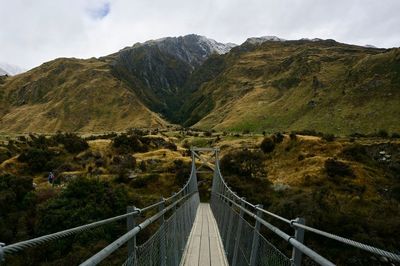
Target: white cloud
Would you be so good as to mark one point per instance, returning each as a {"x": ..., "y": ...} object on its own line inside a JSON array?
[{"x": 33, "y": 32}]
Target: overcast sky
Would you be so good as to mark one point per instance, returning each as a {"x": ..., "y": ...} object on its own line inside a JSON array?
[{"x": 36, "y": 31}]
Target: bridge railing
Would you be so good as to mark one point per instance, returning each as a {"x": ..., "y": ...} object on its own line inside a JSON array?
[
  {"x": 245, "y": 245},
  {"x": 165, "y": 247}
]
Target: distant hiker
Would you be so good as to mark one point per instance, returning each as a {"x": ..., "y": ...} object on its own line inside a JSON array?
[{"x": 51, "y": 178}]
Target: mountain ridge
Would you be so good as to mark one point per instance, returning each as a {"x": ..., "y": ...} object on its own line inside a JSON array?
[{"x": 269, "y": 84}]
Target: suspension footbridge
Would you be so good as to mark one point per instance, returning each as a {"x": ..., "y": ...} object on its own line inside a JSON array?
[{"x": 226, "y": 231}]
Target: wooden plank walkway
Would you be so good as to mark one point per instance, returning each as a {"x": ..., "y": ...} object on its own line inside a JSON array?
[{"x": 204, "y": 246}]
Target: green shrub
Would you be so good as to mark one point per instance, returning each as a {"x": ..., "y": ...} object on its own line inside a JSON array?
[
  {"x": 293, "y": 135},
  {"x": 336, "y": 168},
  {"x": 328, "y": 137},
  {"x": 309, "y": 132},
  {"x": 357, "y": 135},
  {"x": 382, "y": 133},
  {"x": 125, "y": 144},
  {"x": 40, "y": 142},
  {"x": 144, "y": 181},
  {"x": 207, "y": 134},
  {"x": 267, "y": 145},
  {"x": 395, "y": 135},
  {"x": 72, "y": 142},
  {"x": 143, "y": 166},
  {"x": 182, "y": 172},
  {"x": 356, "y": 152},
  {"x": 39, "y": 160},
  {"x": 278, "y": 137},
  {"x": 395, "y": 193},
  {"x": 243, "y": 163},
  {"x": 102, "y": 136},
  {"x": 172, "y": 146},
  {"x": 84, "y": 200},
  {"x": 17, "y": 207},
  {"x": 5, "y": 154}
]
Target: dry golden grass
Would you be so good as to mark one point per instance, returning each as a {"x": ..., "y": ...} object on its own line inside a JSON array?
[{"x": 71, "y": 95}]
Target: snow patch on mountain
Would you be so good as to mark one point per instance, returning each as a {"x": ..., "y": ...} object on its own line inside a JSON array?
[
  {"x": 258, "y": 40},
  {"x": 11, "y": 69},
  {"x": 206, "y": 44},
  {"x": 3, "y": 72},
  {"x": 192, "y": 49},
  {"x": 311, "y": 40},
  {"x": 214, "y": 46}
]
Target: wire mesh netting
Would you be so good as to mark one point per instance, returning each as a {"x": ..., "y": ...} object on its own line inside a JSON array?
[
  {"x": 166, "y": 245},
  {"x": 268, "y": 254},
  {"x": 237, "y": 236}
]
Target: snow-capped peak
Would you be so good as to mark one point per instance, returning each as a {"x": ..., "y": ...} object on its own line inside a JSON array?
[
  {"x": 204, "y": 42},
  {"x": 214, "y": 46},
  {"x": 258, "y": 40}
]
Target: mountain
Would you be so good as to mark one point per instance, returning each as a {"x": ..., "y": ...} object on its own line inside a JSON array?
[
  {"x": 295, "y": 85},
  {"x": 11, "y": 69},
  {"x": 125, "y": 89},
  {"x": 266, "y": 83},
  {"x": 158, "y": 70},
  {"x": 71, "y": 95}
]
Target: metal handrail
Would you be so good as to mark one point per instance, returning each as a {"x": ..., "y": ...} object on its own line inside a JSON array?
[
  {"x": 9, "y": 249},
  {"x": 293, "y": 223},
  {"x": 108, "y": 250},
  {"x": 350, "y": 242},
  {"x": 306, "y": 250},
  {"x": 12, "y": 248}
]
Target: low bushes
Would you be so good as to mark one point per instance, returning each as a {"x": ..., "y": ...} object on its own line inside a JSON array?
[
  {"x": 267, "y": 145},
  {"x": 244, "y": 163},
  {"x": 39, "y": 160},
  {"x": 129, "y": 143},
  {"x": 328, "y": 137},
  {"x": 336, "y": 169},
  {"x": 278, "y": 137},
  {"x": 72, "y": 142}
]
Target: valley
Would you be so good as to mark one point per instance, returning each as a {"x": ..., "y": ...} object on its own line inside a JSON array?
[
  {"x": 307, "y": 128},
  {"x": 348, "y": 186}
]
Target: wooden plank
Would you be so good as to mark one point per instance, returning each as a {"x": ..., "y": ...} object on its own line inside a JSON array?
[
  {"x": 217, "y": 253},
  {"x": 204, "y": 247},
  {"x": 204, "y": 259}
]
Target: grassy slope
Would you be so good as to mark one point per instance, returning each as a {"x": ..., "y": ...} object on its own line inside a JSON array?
[
  {"x": 71, "y": 95},
  {"x": 324, "y": 86},
  {"x": 362, "y": 207}
]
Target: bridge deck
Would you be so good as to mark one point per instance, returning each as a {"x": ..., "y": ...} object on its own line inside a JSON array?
[{"x": 204, "y": 247}]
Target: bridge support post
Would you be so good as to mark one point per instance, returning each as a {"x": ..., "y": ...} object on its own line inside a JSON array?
[
  {"x": 175, "y": 236},
  {"x": 256, "y": 238},
  {"x": 299, "y": 236},
  {"x": 130, "y": 224},
  {"x": 162, "y": 237},
  {"x": 238, "y": 234}
]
